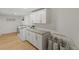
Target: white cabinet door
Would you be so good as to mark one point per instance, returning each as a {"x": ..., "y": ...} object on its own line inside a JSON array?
[
  {"x": 33, "y": 38},
  {"x": 33, "y": 17},
  {"x": 22, "y": 34},
  {"x": 39, "y": 41},
  {"x": 42, "y": 16},
  {"x": 28, "y": 36},
  {"x": 38, "y": 16},
  {"x": 27, "y": 20}
]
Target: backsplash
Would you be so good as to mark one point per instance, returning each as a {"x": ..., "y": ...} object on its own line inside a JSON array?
[{"x": 46, "y": 26}]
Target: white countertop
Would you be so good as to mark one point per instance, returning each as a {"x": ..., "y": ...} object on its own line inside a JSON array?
[{"x": 37, "y": 31}]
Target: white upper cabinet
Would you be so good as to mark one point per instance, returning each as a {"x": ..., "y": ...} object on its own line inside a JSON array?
[
  {"x": 38, "y": 16},
  {"x": 27, "y": 20}
]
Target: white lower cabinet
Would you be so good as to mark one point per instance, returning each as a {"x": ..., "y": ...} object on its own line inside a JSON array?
[
  {"x": 39, "y": 41},
  {"x": 36, "y": 39},
  {"x": 27, "y": 35},
  {"x": 32, "y": 38},
  {"x": 22, "y": 34}
]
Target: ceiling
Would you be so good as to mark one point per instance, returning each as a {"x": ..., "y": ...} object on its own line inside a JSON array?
[{"x": 15, "y": 11}]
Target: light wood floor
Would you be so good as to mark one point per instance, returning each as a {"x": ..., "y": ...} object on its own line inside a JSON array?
[{"x": 12, "y": 42}]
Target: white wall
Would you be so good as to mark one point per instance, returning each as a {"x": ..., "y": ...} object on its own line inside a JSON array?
[
  {"x": 68, "y": 23},
  {"x": 9, "y": 26}
]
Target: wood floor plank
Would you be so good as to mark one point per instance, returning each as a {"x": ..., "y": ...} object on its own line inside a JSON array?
[{"x": 12, "y": 42}]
